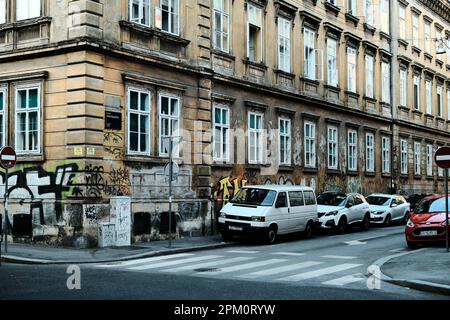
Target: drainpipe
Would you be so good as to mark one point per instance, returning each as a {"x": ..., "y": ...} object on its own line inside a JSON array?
[{"x": 393, "y": 13}]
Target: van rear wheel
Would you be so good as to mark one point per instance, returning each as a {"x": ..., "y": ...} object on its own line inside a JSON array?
[{"x": 308, "y": 231}]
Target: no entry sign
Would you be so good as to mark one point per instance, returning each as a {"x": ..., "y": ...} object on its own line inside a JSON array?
[{"x": 8, "y": 158}]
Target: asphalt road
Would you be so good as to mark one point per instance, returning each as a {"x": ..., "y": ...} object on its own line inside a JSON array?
[{"x": 326, "y": 267}]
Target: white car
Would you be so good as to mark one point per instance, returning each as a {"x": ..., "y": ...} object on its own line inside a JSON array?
[
  {"x": 338, "y": 211},
  {"x": 385, "y": 208}
]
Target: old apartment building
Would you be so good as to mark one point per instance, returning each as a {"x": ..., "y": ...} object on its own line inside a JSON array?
[{"x": 338, "y": 94}]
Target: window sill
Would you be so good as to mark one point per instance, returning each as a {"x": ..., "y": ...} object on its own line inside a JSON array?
[
  {"x": 417, "y": 177},
  {"x": 418, "y": 112},
  {"x": 332, "y": 88},
  {"x": 429, "y": 116},
  {"x": 223, "y": 54},
  {"x": 258, "y": 65},
  {"x": 404, "y": 43},
  {"x": 150, "y": 159},
  {"x": 370, "y": 173},
  {"x": 309, "y": 170},
  {"x": 285, "y": 167},
  {"x": 428, "y": 56},
  {"x": 351, "y": 18},
  {"x": 369, "y": 28},
  {"x": 257, "y": 165},
  {"x": 332, "y": 8},
  {"x": 430, "y": 178},
  {"x": 404, "y": 176},
  {"x": 416, "y": 50},
  {"x": 26, "y": 158},
  {"x": 308, "y": 80},
  {"x": 384, "y": 35},
  {"x": 353, "y": 172},
  {"x": 352, "y": 94},
  {"x": 404, "y": 108},
  {"x": 439, "y": 62},
  {"x": 370, "y": 99},
  {"x": 222, "y": 165},
  {"x": 333, "y": 171},
  {"x": 284, "y": 73},
  {"x": 386, "y": 175}
]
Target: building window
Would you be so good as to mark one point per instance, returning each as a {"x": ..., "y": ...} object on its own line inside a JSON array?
[
  {"x": 351, "y": 7},
  {"x": 28, "y": 110},
  {"x": 310, "y": 145},
  {"x": 351, "y": 69},
  {"x": 254, "y": 33},
  {"x": 27, "y": 9},
  {"x": 384, "y": 12},
  {"x": 332, "y": 62},
  {"x": 140, "y": 12},
  {"x": 402, "y": 21},
  {"x": 352, "y": 150},
  {"x": 284, "y": 44},
  {"x": 369, "y": 12},
  {"x": 416, "y": 92},
  {"x": 221, "y": 134},
  {"x": 404, "y": 156},
  {"x": 255, "y": 137},
  {"x": 285, "y": 141},
  {"x": 2, "y": 11},
  {"x": 332, "y": 147},
  {"x": 169, "y": 124},
  {"x": 386, "y": 155},
  {"x": 309, "y": 53},
  {"x": 222, "y": 25},
  {"x": 138, "y": 121},
  {"x": 429, "y": 159},
  {"x": 438, "y": 37},
  {"x": 427, "y": 31},
  {"x": 415, "y": 30},
  {"x": 403, "y": 87},
  {"x": 417, "y": 158},
  {"x": 386, "y": 82},
  {"x": 170, "y": 10},
  {"x": 448, "y": 51},
  {"x": 3, "y": 107},
  {"x": 370, "y": 157},
  {"x": 369, "y": 76},
  {"x": 429, "y": 96},
  {"x": 439, "y": 100}
]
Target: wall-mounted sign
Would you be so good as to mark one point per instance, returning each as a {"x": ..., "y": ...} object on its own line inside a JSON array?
[
  {"x": 78, "y": 151},
  {"x": 113, "y": 120}
]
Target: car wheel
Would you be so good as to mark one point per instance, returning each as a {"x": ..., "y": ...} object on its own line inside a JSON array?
[
  {"x": 388, "y": 221},
  {"x": 308, "y": 231},
  {"x": 271, "y": 235},
  {"x": 406, "y": 217},
  {"x": 342, "y": 226},
  {"x": 365, "y": 224},
  {"x": 226, "y": 236},
  {"x": 411, "y": 245}
]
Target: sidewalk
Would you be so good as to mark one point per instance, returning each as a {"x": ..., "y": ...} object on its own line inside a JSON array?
[
  {"x": 40, "y": 254},
  {"x": 426, "y": 269}
]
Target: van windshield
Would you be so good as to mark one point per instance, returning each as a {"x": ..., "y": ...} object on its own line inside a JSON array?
[{"x": 256, "y": 197}]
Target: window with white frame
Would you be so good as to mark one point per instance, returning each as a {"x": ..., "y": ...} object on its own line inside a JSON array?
[
  {"x": 384, "y": 12},
  {"x": 352, "y": 150},
  {"x": 332, "y": 147},
  {"x": 369, "y": 75},
  {"x": 403, "y": 156},
  {"x": 415, "y": 30},
  {"x": 448, "y": 50},
  {"x": 429, "y": 159},
  {"x": 403, "y": 87},
  {"x": 310, "y": 145},
  {"x": 170, "y": 10},
  {"x": 351, "y": 7},
  {"x": 140, "y": 12},
  {"x": 416, "y": 92},
  {"x": 402, "y": 21},
  {"x": 284, "y": 44},
  {"x": 27, "y": 115},
  {"x": 2, "y": 11},
  {"x": 351, "y": 69},
  {"x": 255, "y": 131},
  {"x": 221, "y": 134},
  {"x": 285, "y": 141},
  {"x": 427, "y": 31},
  {"x": 3, "y": 110},
  {"x": 386, "y": 82},
  {"x": 254, "y": 33},
  {"x": 27, "y": 9},
  {"x": 386, "y": 154},
  {"x": 222, "y": 25},
  {"x": 332, "y": 62},
  {"x": 138, "y": 121},
  {"x": 309, "y": 53},
  {"x": 439, "y": 100},
  {"x": 417, "y": 158},
  {"x": 429, "y": 96},
  {"x": 370, "y": 153},
  {"x": 369, "y": 12},
  {"x": 169, "y": 123}
]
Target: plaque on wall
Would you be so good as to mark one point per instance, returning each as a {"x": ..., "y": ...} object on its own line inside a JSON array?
[{"x": 113, "y": 120}]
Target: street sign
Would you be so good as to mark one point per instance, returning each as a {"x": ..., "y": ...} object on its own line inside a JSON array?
[
  {"x": 442, "y": 157},
  {"x": 175, "y": 171},
  {"x": 8, "y": 158}
]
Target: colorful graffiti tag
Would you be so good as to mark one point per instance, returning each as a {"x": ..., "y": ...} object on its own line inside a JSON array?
[{"x": 227, "y": 187}]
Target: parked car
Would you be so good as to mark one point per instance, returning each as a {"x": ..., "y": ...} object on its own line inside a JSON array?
[
  {"x": 386, "y": 209},
  {"x": 269, "y": 210},
  {"x": 415, "y": 199},
  {"x": 427, "y": 222},
  {"x": 338, "y": 211}
]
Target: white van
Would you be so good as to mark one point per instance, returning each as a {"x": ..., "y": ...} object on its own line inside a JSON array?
[{"x": 268, "y": 210}]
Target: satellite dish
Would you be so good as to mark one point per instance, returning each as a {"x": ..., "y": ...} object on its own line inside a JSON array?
[{"x": 441, "y": 49}]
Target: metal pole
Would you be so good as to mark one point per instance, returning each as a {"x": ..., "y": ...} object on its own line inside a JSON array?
[
  {"x": 6, "y": 212},
  {"x": 170, "y": 192},
  {"x": 446, "y": 209}
]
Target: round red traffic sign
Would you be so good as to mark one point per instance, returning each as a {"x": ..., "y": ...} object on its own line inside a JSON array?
[
  {"x": 442, "y": 157},
  {"x": 8, "y": 158}
]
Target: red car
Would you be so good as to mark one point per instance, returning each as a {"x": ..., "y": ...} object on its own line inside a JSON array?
[{"x": 427, "y": 223}]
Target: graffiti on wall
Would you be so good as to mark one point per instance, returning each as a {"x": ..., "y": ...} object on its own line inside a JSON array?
[
  {"x": 113, "y": 145},
  {"x": 227, "y": 187}
]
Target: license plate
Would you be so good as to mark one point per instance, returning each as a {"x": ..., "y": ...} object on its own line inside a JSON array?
[
  {"x": 428, "y": 233},
  {"x": 235, "y": 228}
]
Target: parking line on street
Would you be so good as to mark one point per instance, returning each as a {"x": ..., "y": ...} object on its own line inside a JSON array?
[
  {"x": 291, "y": 267},
  {"x": 345, "y": 280},
  {"x": 294, "y": 254},
  {"x": 248, "y": 266},
  {"x": 172, "y": 263},
  {"x": 338, "y": 257},
  {"x": 242, "y": 251},
  {"x": 209, "y": 264},
  {"x": 320, "y": 272},
  {"x": 397, "y": 250},
  {"x": 146, "y": 260}
]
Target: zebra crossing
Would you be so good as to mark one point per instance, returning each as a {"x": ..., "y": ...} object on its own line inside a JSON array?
[{"x": 283, "y": 267}]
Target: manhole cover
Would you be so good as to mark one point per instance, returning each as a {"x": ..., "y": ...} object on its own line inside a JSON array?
[{"x": 207, "y": 270}]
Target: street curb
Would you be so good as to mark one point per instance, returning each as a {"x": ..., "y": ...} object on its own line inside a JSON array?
[
  {"x": 21, "y": 260},
  {"x": 413, "y": 284}
]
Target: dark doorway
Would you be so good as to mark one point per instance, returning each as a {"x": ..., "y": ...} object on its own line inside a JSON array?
[
  {"x": 22, "y": 225},
  {"x": 164, "y": 225},
  {"x": 142, "y": 224}
]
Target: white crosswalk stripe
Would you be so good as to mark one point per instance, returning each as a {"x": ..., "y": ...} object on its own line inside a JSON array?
[
  {"x": 172, "y": 263},
  {"x": 293, "y": 254},
  {"x": 291, "y": 267},
  {"x": 242, "y": 251},
  {"x": 338, "y": 257},
  {"x": 345, "y": 280},
  {"x": 320, "y": 272},
  {"x": 146, "y": 260},
  {"x": 209, "y": 264},
  {"x": 246, "y": 266}
]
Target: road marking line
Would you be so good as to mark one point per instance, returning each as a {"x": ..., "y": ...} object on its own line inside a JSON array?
[
  {"x": 242, "y": 251},
  {"x": 397, "y": 250},
  {"x": 294, "y": 254},
  {"x": 247, "y": 266},
  {"x": 209, "y": 264},
  {"x": 355, "y": 243},
  {"x": 345, "y": 280},
  {"x": 338, "y": 257},
  {"x": 172, "y": 263},
  {"x": 277, "y": 270},
  {"x": 320, "y": 272},
  {"x": 139, "y": 261}
]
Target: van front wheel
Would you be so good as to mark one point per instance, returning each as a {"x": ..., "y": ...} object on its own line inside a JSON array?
[
  {"x": 308, "y": 231},
  {"x": 271, "y": 235}
]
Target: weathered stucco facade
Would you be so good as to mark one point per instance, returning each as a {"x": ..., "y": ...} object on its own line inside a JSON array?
[{"x": 85, "y": 57}]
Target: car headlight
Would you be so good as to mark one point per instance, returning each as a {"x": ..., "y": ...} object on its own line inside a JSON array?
[
  {"x": 332, "y": 213},
  {"x": 222, "y": 215},
  {"x": 410, "y": 224},
  {"x": 258, "y": 219}
]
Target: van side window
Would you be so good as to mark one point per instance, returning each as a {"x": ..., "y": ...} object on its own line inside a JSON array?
[
  {"x": 281, "y": 200},
  {"x": 309, "y": 198},
  {"x": 296, "y": 198}
]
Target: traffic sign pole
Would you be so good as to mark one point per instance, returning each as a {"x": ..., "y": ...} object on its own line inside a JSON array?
[
  {"x": 442, "y": 159},
  {"x": 446, "y": 209},
  {"x": 6, "y": 211},
  {"x": 170, "y": 192}
]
